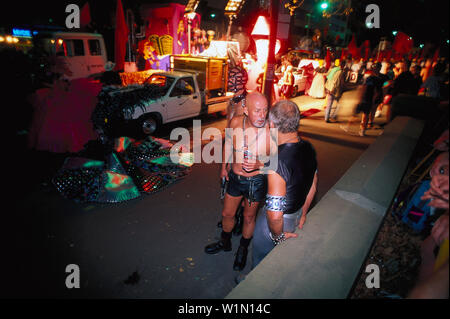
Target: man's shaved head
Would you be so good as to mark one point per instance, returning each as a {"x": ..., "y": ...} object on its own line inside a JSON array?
[
  {"x": 256, "y": 99},
  {"x": 256, "y": 108}
]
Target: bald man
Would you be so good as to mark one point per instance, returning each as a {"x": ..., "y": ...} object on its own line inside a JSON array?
[
  {"x": 244, "y": 177},
  {"x": 235, "y": 108}
]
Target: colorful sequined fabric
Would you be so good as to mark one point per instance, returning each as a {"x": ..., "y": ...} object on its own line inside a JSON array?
[
  {"x": 79, "y": 179},
  {"x": 116, "y": 185},
  {"x": 132, "y": 168},
  {"x": 150, "y": 156},
  {"x": 147, "y": 182}
]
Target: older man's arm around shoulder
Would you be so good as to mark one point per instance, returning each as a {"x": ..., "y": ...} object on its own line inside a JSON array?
[{"x": 275, "y": 196}]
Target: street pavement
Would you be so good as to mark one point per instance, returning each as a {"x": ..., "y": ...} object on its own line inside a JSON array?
[{"x": 150, "y": 247}]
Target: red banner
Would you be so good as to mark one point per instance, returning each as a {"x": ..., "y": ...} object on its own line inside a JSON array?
[
  {"x": 120, "y": 37},
  {"x": 343, "y": 54},
  {"x": 328, "y": 59},
  {"x": 402, "y": 43},
  {"x": 85, "y": 15},
  {"x": 365, "y": 49},
  {"x": 353, "y": 48},
  {"x": 436, "y": 55}
]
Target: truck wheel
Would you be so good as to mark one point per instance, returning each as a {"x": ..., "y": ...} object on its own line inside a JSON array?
[
  {"x": 148, "y": 125},
  {"x": 295, "y": 91}
]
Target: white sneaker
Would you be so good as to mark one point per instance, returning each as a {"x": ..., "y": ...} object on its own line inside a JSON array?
[{"x": 361, "y": 133}]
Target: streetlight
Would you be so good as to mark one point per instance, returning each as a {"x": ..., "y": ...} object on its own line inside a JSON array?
[
  {"x": 192, "y": 5},
  {"x": 265, "y": 51},
  {"x": 231, "y": 10},
  {"x": 324, "y": 5},
  {"x": 394, "y": 32}
]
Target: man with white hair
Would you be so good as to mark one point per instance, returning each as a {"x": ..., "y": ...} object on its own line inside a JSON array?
[{"x": 291, "y": 188}]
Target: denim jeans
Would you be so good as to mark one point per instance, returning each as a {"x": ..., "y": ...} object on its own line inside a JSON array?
[
  {"x": 262, "y": 243},
  {"x": 329, "y": 111}
]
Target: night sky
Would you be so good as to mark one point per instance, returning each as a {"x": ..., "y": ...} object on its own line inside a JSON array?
[
  {"x": 424, "y": 20},
  {"x": 421, "y": 19}
]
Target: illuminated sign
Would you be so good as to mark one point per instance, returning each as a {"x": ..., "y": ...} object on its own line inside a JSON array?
[
  {"x": 261, "y": 27},
  {"x": 192, "y": 5},
  {"x": 21, "y": 33},
  {"x": 233, "y": 6}
]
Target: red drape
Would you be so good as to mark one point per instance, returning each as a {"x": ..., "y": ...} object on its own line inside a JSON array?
[
  {"x": 62, "y": 119},
  {"x": 436, "y": 55},
  {"x": 353, "y": 48},
  {"x": 388, "y": 55},
  {"x": 365, "y": 49},
  {"x": 402, "y": 43},
  {"x": 343, "y": 54},
  {"x": 328, "y": 59},
  {"x": 85, "y": 15},
  {"x": 120, "y": 37}
]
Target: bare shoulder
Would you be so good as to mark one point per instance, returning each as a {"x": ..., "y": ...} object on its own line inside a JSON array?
[{"x": 236, "y": 121}]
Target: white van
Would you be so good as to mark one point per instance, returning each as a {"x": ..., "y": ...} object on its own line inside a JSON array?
[{"x": 84, "y": 53}]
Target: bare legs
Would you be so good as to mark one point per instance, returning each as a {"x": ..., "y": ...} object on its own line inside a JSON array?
[{"x": 230, "y": 206}]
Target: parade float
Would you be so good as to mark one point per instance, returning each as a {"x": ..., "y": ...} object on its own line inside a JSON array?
[{"x": 171, "y": 86}]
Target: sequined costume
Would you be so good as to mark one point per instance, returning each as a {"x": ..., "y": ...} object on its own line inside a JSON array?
[{"x": 131, "y": 168}]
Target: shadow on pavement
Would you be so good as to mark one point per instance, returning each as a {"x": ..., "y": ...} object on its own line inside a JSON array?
[{"x": 335, "y": 140}]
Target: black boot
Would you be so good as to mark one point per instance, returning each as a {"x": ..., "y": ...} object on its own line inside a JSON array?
[
  {"x": 239, "y": 220},
  {"x": 241, "y": 254},
  {"x": 223, "y": 244},
  {"x": 241, "y": 258}
]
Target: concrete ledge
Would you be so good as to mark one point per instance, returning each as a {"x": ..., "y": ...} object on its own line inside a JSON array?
[{"x": 326, "y": 258}]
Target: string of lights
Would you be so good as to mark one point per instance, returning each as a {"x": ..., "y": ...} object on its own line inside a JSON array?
[{"x": 341, "y": 7}]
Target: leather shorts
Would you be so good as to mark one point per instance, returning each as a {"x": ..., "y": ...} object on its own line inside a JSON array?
[{"x": 253, "y": 188}]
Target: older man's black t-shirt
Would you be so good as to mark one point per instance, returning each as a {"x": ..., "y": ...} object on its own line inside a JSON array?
[{"x": 297, "y": 165}]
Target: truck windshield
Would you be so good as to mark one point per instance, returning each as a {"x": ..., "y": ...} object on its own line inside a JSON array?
[{"x": 162, "y": 81}]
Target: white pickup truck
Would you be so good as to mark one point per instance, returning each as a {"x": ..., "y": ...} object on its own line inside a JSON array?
[
  {"x": 163, "y": 98},
  {"x": 181, "y": 98}
]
